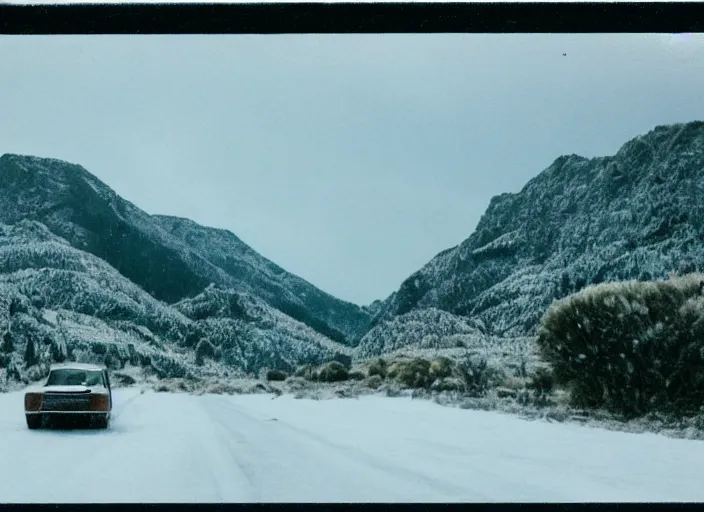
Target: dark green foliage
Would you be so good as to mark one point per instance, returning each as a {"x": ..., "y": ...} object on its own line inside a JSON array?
[
  {"x": 343, "y": 359},
  {"x": 19, "y": 305},
  {"x": 111, "y": 362},
  {"x": 541, "y": 382},
  {"x": 303, "y": 315},
  {"x": 59, "y": 352},
  {"x": 166, "y": 367},
  {"x": 477, "y": 375},
  {"x": 356, "y": 375},
  {"x": 447, "y": 384},
  {"x": 378, "y": 367},
  {"x": 204, "y": 349},
  {"x": 629, "y": 347},
  {"x": 441, "y": 368},
  {"x": 412, "y": 373},
  {"x": 410, "y": 292},
  {"x": 374, "y": 381},
  {"x": 30, "y": 354},
  {"x": 333, "y": 371},
  {"x": 98, "y": 348},
  {"x": 307, "y": 372},
  {"x": 7, "y": 345},
  {"x": 276, "y": 375}
]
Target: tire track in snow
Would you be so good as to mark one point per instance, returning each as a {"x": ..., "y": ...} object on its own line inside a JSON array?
[
  {"x": 227, "y": 433},
  {"x": 359, "y": 458}
]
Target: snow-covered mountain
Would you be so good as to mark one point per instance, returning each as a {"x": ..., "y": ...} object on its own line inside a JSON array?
[
  {"x": 58, "y": 302},
  {"x": 86, "y": 274},
  {"x": 636, "y": 215},
  {"x": 171, "y": 259}
]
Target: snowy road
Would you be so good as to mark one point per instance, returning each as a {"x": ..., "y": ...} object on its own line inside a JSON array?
[{"x": 181, "y": 448}]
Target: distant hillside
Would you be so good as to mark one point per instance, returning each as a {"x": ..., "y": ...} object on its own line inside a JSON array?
[
  {"x": 171, "y": 259},
  {"x": 58, "y": 302},
  {"x": 636, "y": 215}
]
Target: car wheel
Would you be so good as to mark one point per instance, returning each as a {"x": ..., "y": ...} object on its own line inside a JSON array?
[
  {"x": 100, "y": 422},
  {"x": 34, "y": 421}
]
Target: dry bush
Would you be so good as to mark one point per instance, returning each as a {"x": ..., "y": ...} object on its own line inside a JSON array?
[
  {"x": 307, "y": 372},
  {"x": 378, "y": 367},
  {"x": 412, "y": 373},
  {"x": 334, "y": 371},
  {"x": 441, "y": 368},
  {"x": 373, "y": 381},
  {"x": 447, "y": 384},
  {"x": 478, "y": 376}
]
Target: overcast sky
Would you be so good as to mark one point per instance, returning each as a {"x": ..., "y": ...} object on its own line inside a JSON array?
[{"x": 350, "y": 160}]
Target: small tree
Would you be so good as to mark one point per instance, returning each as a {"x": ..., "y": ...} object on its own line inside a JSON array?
[
  {"x": 30, "y": 354},
  {"x": 7, "y": 345},
  {"x": 204, "y": 349},
  {"x": 334, "y": 371}
]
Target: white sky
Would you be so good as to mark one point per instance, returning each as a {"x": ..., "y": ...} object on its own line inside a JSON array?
[{"x": 350, "y": 160}]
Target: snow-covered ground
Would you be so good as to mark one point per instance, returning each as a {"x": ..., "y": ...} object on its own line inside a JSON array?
[{"x": 211, "y": 448}]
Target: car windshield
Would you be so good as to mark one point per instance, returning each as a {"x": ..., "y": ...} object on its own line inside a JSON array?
[{"x": 71, "y": 377}]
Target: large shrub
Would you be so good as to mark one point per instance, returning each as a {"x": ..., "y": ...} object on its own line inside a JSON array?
[
  {"x": 334, "y": 371},
  {"x": 412, "y": 373},
  {"x": 378, "y": 367},
  {"x": 276, "y": 375},
  {"x": 630, "y": 347}
]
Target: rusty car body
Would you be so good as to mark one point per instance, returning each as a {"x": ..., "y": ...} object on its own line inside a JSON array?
[{"x": 72, "y": 391}]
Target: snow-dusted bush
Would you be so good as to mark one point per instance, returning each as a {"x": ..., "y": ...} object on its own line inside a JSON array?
[
  {"x": 630, "y": 347},
  {"x": 204, "y": 349},
  {"x": 478, "y": 375},
  {"x": 276, "y": 375},
  {"x": 441, "y": 368},
  {"x": 412, "y": 373},
  {"x": 307, "y": 371},
  {"x": 541, "y": 382},
  {"x": 334, "y": 371},
  {"x": 373, "y": 381},
  {"x": 378, "y": 367}
]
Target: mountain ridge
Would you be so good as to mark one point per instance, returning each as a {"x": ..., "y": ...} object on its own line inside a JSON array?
[
  {"x": 151, "y": 249},
  {"x": 579, "y": 221}
]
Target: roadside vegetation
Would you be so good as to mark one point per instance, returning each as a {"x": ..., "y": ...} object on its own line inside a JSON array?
[{"x": 630, "y": 348}]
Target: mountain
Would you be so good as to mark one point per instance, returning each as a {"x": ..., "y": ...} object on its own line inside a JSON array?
[
  {"x": 636, "y": 215},
  {"x": 171, "y": 259},
  {"x": 58, "y": 302}
]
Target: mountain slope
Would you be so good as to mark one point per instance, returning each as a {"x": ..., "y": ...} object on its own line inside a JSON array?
[
  {"x": 636, "y": 215},
  {"x": 169, "y": 258},
  {"x": 58, "y": 302},
  {"x": 286, "y": 292}
]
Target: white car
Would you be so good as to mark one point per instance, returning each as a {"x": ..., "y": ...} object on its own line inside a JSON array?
[{"x": 76, "y": 390}]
